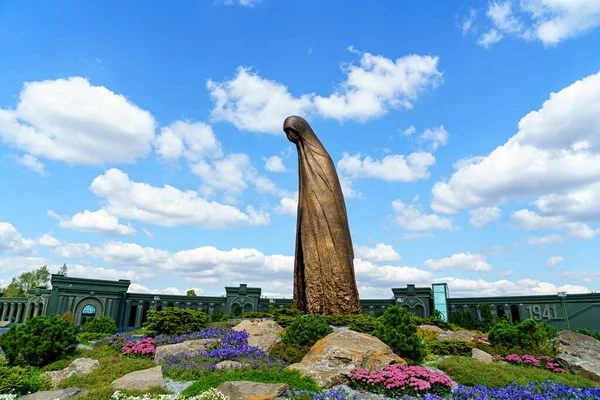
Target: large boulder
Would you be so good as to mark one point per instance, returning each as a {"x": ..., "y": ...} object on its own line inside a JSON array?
[
  {"x": 141, "y": 380},
  {"x": 458, "y": 335},
  {"x": 433, "y": 328},
  {"x": 481, "y": 356},
  {"x": 58, "y": 394},
  {"x": 245, "y": 390},
  {"x": 264, "y": 334},
  {"x": 79, "y": 367},
  {"x": 189, "y": 347},
  {"x": 579, "y": 354},
  {"x": 332, "y": 357}
]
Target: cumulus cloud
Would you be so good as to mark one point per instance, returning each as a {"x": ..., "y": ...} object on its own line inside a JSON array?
[
  {"x": 552, "y": 261},
  {"x": 549, "y": 21},
  {"x": 557, "y": 147},
  {"x": 32, "y": 163},
  {"x": 97, "y": 222},
  {"x": 412, "y": 217},
  {"x": 436, "y": 136},
  {"x": 194, "y": 141},
  {"x": 275, "y": 164},
  {"x": 460, "y": 261},
  {"x": 371, "y": 89},
  {"x": 478, "y": 287},
  {"x": 12, "y": 242},
  {"x": 288, "y": 206},
  {"x": 482, "y": 216},
  {"x": 168, "y": 206},
  {"x": 379, "y": 254},
  {"x": 73, "y": 121}
]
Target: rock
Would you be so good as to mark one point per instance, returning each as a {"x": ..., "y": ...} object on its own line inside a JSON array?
[
  {"x": 332, "y": 357},
  {"x": 228, "y": 364},
  {"x": 79, "y": 367},
  {"x": 244, "y": 390},
  {"x": 140, "y": 380},
  {"x": 431, "y": 328},
  {"x": 84, "y": 347},
  {"x": 481, "y": 356},
  {"x": 2, "y": 355},
  {"x": 579, "y": 354},
  {"x": 58, "y": 394},
  {"x": 459, "y": 335},
  {"x": 264, "y": 334},
  {"x": 188, "y": 347}
]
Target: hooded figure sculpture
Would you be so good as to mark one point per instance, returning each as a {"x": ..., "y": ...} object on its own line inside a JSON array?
[{"x": 324, "y": 280}]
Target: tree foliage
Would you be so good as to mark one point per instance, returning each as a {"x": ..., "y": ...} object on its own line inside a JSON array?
[
  {"x": 191, "y": 292},
  {"x": 19, "y": 286},
  {"x": 397, "y": 329}
]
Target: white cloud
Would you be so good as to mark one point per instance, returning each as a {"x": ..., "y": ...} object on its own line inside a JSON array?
[
  {"x": 409, "y": 131},
  {"x": 12, "y": 242},
  {"x": 529, "y": 220},
  {"x": 287, "y": 206},
  {"x": 32, "y": 163},
  {"x": 275, "y": 164},
  {"x": 97, "y": 222},
  {"x": 549, "y": 21},
  {"x": 379, "y": 84},
  {"x": 243, "y": 3},
  {"x": 72, "y": 121},
  {"x": 476, "y": 288},
  {"x": 255, "y": 104},
  {"x": 437, "y": 136},
  {"x": 392, "y": 168},
  {"x": 545, "y": 240},
  {"x": 167, "y": 206},
  {"x": 468, "y": 23},
  {"x": 148, "y": 234},
  {"x": 385, "y": 277},
  {"x": 460, "y": 261},
  {"x": 552, "y": 261},
  {"x": 556, "y": 147},
  {"x": 194, "y": 141},
  {"x": 482, "y": 216},
  {"x": 584, "y": 276},
  {"x": 412, "y": 218},
  {"x": 379, "y": 254}
]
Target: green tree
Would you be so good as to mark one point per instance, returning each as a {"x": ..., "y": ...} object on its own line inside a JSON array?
[
  {"x": 63, "y": 270},
  {"x": 397, "y": 329},
  {"x": 191, "y": 292},
  {"x": 487, "y": 317},
  {"x": 19, "y": 286}
]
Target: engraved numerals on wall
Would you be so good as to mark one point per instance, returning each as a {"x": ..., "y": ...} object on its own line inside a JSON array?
[{"x": 538, "y": 313}]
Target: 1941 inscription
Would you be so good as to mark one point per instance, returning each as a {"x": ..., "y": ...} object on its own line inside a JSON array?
[{"x": 537, "y": 313}]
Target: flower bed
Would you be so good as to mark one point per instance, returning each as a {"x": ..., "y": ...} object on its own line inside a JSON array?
[
  {"x": 145, "y": 347},
  {"x": 211, "y": 394},
  {"x": 228, "y": 337},
  {"x": 533, "y": 391},
  {"x": 531, "y": 361},
  {"x": 399, "y": 380},
  {"x": 191, "y": 367}
]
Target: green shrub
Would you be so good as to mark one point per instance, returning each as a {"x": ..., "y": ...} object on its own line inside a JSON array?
[
  {"x": 397, "y": 329},
  {"x": 595, "y": 335},
  {"x": 39, "y": 341},
  {"x": 364, "y": 323},
  {"x": 306, "y": 330},
  {"x": 87, "y": 337},
  {"x": 504, "y": 333},
  {"x": 432, "y": 321},
  {"x": 449, "y": 347},
  {"x": 289, "y": 352},
  {"x": 100, "y": 325},
  {"x": 20, "y": 380},
  {"x": 175, "y": 321},
  {"x": 487, "y": 317},
  {"x": 285, "y": 316},
  {"x": 237, "y": 311},
  {"x": 339, "y": 320}
]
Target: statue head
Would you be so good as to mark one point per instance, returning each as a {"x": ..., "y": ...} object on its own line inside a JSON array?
[{"x": 294, "y": 126}]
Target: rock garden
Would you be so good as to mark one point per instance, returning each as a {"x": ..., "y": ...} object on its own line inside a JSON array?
[{"x": 182, "y": 354}]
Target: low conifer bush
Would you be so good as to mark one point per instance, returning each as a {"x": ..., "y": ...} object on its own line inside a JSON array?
[
  {"x": 100, "y": 325},
  {"x": 306, "y": 330},
  {"x": 397, "y": 329},
  {"x": 175, "y": 321}
]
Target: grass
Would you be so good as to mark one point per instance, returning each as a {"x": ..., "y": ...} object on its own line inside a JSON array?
[
  {"x": 112, "y": 366},
  {"x": 291, "y": 377},
  {"x": 472, "y": 372}
]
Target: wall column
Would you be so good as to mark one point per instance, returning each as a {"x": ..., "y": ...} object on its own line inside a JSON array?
[
  {"x": 109, "y": 308},
  {"x": 13, "y": 311},
  {"x": 27, "y": 311},
  {"x": 36, "y": 310},
  {"x": 4, "y": 311},
  {"x": 61, "y": 304},
  {"x": 19, "y": 313},
  {"x": 127, "y": 313},
  {"x": 138, "y": 316},
  {"x": 70, "y": 304}
]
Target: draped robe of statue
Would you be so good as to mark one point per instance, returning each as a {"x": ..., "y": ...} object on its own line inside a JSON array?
[{"x": 324, "y": 279}]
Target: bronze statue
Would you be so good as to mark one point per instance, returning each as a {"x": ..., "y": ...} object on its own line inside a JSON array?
[{"x": 324, "y": 280}]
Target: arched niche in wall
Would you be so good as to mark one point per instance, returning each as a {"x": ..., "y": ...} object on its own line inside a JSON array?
[{"x": 87, "y": 303}]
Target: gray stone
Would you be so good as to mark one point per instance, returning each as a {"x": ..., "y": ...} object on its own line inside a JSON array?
[
  {"x": 482, "y": 356},
  {"x": 141, "y": 380},
  {"x": 245, "y": 390},
  {"x": 431, "y": 328},
  {"x": 2, "y": 355},
  {"x": 458, "y": 335},
  {"x": 228, "y": 364},
  {"x": 579, "y": 354},
  {"x": 79, "y": 367},
  {"x": 188, "y": 347},
  {"x": 332, "y": 357},
  {"x": 264, "y": 333},
  {"x": 58, "y": 394}
]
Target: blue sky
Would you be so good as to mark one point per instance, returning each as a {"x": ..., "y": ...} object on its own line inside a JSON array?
[{"x": 143, "y": 141}]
